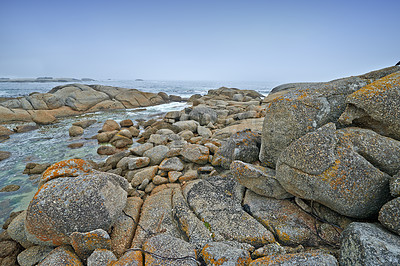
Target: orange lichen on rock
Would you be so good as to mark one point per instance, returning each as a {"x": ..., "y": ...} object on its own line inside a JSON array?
[
  {"x": 72, "y": 167},
  {"x": 131, "y": 258},
  {"x": 378, "y": 87}
]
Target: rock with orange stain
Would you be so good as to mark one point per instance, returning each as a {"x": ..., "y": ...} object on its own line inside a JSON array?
[
  {"x": 306, "y": 258},
  {"x": 61, "y": 256},
  {"x": 130, "y": 258},
  {"x": 376, "y": 106},
  {"x": 296, "y": 109},
  {"x": 243, "y": 146},
  {"x": 85, "y": 243},
  {"x": 169, "y": 247},
  {"x": 70, "y": 204},
  {"x": 259, "y": 179},
  {"x": 290, "y": 224},
  {"x": 220, "y": 253},
  {"x": 217, "y": 201},
  {"x": 72, "y": 167},
  {"x": 195, "y": 153},
  {"x": 347, "y": 170}
]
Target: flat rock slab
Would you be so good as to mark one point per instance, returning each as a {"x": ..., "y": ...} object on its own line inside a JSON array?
[
  {"x": 217, "y": 204},
  {"x": 156, "y": 218},
  {"x": 219, "y": 253},
  {"x": 168, "y": 250},
  {"x": 369, "y": 244},
  {"x": 297, "y": 259}
]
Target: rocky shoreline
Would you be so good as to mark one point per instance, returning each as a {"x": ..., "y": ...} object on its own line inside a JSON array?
[{"x": 308, "y": 175}]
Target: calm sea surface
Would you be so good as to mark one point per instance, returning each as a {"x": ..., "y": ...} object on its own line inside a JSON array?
[{"x": 49, "y": 143}]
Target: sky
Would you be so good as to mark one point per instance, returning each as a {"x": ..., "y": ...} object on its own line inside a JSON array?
[{"x": 246, "y": 40}]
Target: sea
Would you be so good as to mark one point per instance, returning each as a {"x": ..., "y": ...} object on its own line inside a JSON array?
[{"x": 48, "y": 144}]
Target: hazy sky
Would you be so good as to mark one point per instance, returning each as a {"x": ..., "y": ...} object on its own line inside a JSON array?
[{"x": 245, "y": 40}]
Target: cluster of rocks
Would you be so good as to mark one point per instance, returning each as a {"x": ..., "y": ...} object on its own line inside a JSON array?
[
  {"x": 316, "y": 184},
  {"x": 75, "y": 99}
]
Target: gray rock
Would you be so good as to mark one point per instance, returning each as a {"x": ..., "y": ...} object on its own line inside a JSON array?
[
  {"x": 4, "y": 155},
  {"x": 243, "y": 146},
  {"x": 139, "y": 150},
  {"x": 106, "y": 150},
  {"x": 395, "y": 185},
  {"x": 289, "y": 223},
  {"x": 389, "y": 215},
  {"x": 333, "y": 167},
  {"x": 259, "y": 179},
  {"x": 369, "y": 244},
  {"x": 219, "y": 251},
  {"x": 74, "y": 204},
  {"x": 186, "y": 134},
  {"x": 168, "y": 246},
  {"x": 62, "y": 255},
  {"x": 147, "y": 173},
  {"x": 304, "y": 258},
  {"x": 215, "y": 200},
  {"x": 16, "y": 230},
  {"x": 156, "y": 218},
  {"x": 298, "y": 109},
  {"x": 10, "y": 188},
  {"x": 132, "y": 163},
  {"x": 158, "y": 139},
  {"x": 189, "y": 124},
  {"x": 33, "y": 255},
  {"x": 101, "y": 257},
  {"x": 156, "y": 154},
  {"x": 203, "y": 115},
  {"x": 171, "y": 164},
  {"x": 195, "y": 153},
  {"x": 113, "y": 160},
  {"x": 110, "y": 125},
  {"x": 376, "y": 106},
  {"x": 204, "y": 132},
  {"x": 196, "y": 231}
]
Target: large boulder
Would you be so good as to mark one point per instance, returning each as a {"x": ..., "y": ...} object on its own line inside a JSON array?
[
  {"x": 74, "y": 200},
  {"x": 243, "y": 146},
  {"x": 369, "y": 244},
  {"x": 376, "y": 106},
  {"x": 347, "y": 170},
  {"x": 296, "y": 109}
]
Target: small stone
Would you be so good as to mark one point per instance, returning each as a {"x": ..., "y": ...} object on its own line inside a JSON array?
[
  {"x": 33, "y": 255},
  {"x": 75, "y": 145},
  {"x": 101, "y": 257},
  {"x": 4, "y": 155},
  {"x": 126, "y": 123},
  {"x": 189, "y": 175},
  {"x": 110, "y": 125},
  {"x": 144, "y": 184},
  {"x": 62, "y": 255},
  {"x": 75, "y": 131},
  {"x": 389, "y": 215},
  {"x": 173, "y": 176},
  {"x": 147, "y": 173},
  {"x": 10, "y": 188},
  {"x": 106, "y": 150},
  {"x": 139, "y": 150},
  {"x": 84, "y": 123},
  {"x": 149, "y": 188},
  {"x": 171, "y": 164},
  {"x": 159, "y": 180}
]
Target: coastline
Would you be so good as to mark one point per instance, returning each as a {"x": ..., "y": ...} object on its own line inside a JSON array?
[{"x": 224, "y": 172}]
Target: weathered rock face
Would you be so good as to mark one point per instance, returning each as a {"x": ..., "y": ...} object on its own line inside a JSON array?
[
  {"x": 70, "y": 203},
  {"x": 195, "y": 153},
  {"x": 289, "y": 223},
  {"x": 376, "y": 106},
  {"x": 219, "y": 253},
  {"x": 259, "y": 179},
  {"x": 63, "y": 255},
  {"x": 215, "y": 200},
  {"x": 304, "y": 258},
  {"x": 73, "y": 99},
  {"x": 369, "y": 244},
  {"x": 296, "y": 109},
  {"x": 243, "y": 146},
  {"x": 345, "y": 170}
]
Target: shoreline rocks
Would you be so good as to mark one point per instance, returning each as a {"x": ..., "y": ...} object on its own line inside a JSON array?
[{"x": 197, "y": 186}]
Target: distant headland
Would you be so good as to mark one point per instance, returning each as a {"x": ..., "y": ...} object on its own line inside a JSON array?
[{"x": 44, "y": 79}]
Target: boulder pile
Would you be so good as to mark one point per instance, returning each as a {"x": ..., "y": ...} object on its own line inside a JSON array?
[{"x": 308, "y": 176}]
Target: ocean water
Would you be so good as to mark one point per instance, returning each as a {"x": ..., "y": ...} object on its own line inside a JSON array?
[{"x": 49, "y": 143}]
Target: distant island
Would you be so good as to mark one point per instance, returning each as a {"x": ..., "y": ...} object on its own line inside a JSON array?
[{"x": 45, "y": 79}]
